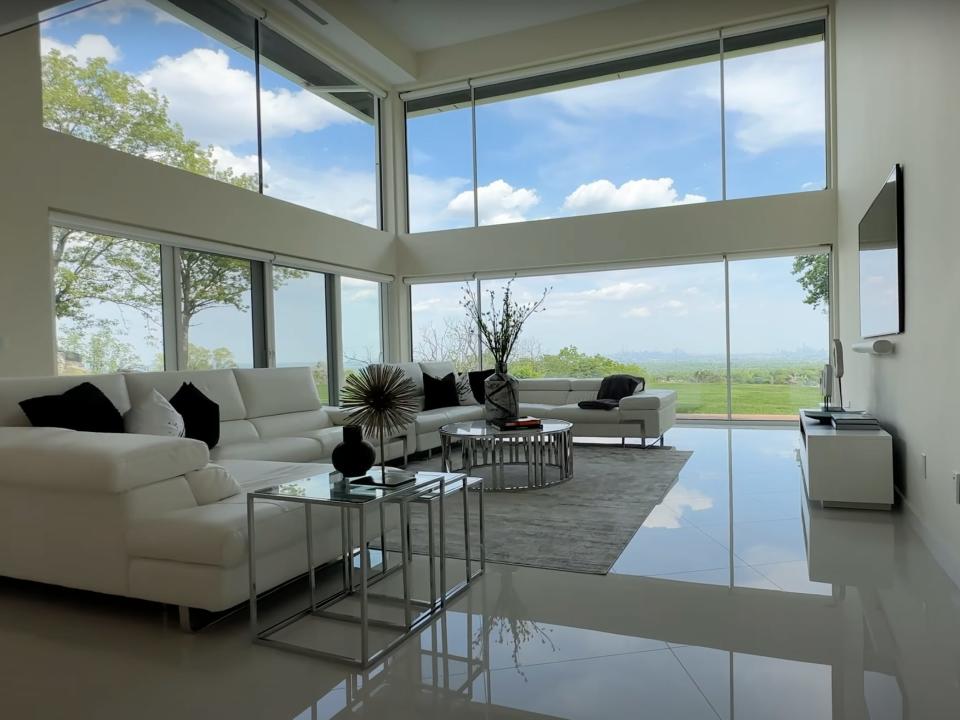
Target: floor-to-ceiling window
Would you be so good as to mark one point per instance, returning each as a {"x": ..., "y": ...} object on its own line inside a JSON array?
[
  {"x": 107, "y": 300},
  {"x": 440, "y": 164},
  {"x": 300, "y": 323},
  {"x": 741, "y": 114},
  {"x": 176, "y": 82},
  {"x": 775, "y": 111},
  {"x": 440, "y": 328},
  {"x": 361, "y": 324},
  {"x": 667, "y": 324},
  {"x": 779, "y": 332},
  {"x": 215, "y": 322},
  {"x": 137, "y": 301},
  {"x": 319, "y": 148}
]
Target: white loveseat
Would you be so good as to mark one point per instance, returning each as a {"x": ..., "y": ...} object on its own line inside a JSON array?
[
  {"x": 115, "y": 513},
  {"x": 645, "y": 415}
]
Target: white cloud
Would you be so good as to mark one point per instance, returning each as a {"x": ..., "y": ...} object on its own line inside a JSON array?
[
  {"x": 779, "y": 95},
  {"x": 215, "y": 103},
  {"x": 499, "y": 202},
  {"x": 637, "y": 312},
  {"x": 810, "y": 186},
  {"x": 623, "y": 290},
  {"x": 602, "y": 196},
  {"x": 240, "y": 164},
  {"x": 84, "y": 49},
  {"x": 430, "y": 203},
  {"x": 345, "y": 193},
  {"x": 676, "y": 307},
  {"x": 426, "y": 305}
]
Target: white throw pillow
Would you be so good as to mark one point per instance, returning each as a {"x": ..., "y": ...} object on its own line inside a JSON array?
[
  {"x": 464, "y": 391},
  {"x": 153, "y": 415},
  {"x": 212, "y": 484}
]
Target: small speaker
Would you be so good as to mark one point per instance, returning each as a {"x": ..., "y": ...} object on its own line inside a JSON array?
[{"x": 838, "y": 358}]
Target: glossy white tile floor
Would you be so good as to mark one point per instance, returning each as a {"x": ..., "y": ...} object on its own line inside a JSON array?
[{"x": 718, "y": 608}]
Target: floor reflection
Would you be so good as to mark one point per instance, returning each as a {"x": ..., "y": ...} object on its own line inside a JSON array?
[
  {"x": 788, "y": 611},
  {"x": 727, "y": 603}
]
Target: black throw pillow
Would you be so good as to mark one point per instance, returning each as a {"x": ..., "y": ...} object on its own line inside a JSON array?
[
  {"x": 440, "y": 393},
  {"x": 201, "y": 415},
  {"x": 83, "y": 408},
  {"x": 477, "y": 378}
]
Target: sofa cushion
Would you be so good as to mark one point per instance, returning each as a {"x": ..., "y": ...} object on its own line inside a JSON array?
[
  {"x": 438, "y": 369},
  {"x": 575, "y": 414},
  {"x": 585, "y": 384},
  {"x": 412, "y": 371},
  {"x": 201, "y": 415},
  {"x": 432, "y": 420},
  {"x": 218, "y": 385},
  {"x": 211, "y": 484},
  {"x": 82, "y": 407},
  {"x": 540, "y": 384},
  {"x": 216, "y": 534},
  {"x": 477, "y": 380},
  {"x": 235, "y": 431},
  {"x": 13, "y": 390},
  {"x": 540, "y": 410},
  {"x": 94, "y": 462},
  {"x": 153, "y": 415},
  {"x": 278, "y": 449},
  {"x": 291, "y": 424},
  {"x": 440, "y": 392},
  {"x": 328, "y": 437},
  {"x": 274, "y": 391}
]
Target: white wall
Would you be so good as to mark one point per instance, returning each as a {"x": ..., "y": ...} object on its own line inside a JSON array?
[
  {"x": 44, "y": 170},
  {"x": 898, "y": 101},
  {"x": 684, "y": 231}
]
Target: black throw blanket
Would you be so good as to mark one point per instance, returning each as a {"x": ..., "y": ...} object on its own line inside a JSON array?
[{"x": 612, "y": 390}]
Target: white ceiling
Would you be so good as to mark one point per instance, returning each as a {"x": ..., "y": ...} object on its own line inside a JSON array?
[{"x": 429, "y": 24}]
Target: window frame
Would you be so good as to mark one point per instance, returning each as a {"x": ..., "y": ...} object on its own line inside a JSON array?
[
  {"x": 739, "y": 38},
  {"x": 726, "y": 258}
]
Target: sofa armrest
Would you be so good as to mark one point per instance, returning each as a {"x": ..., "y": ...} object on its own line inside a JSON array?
[
  {"x": 337, "y": 415},
  {"x": 54, "y": 458},
  {"x": 649, "y": 400}
]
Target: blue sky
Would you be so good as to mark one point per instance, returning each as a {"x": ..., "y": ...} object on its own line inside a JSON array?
[{"x": 644, "y": 141}]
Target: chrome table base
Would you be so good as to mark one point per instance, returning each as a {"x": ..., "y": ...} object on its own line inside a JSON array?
[{"x": 547, "y": 457}]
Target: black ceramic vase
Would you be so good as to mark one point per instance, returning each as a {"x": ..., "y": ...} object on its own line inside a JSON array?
[{"x": 354, "y": 456}]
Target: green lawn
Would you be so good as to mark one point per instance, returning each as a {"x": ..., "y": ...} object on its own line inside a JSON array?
[{"x": 711, "y": 398}]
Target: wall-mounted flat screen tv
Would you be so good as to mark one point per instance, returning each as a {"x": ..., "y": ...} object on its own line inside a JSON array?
[{"x": 881, "y": 261}]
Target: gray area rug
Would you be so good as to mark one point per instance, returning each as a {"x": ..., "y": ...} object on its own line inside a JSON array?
[{"x": 581, "y": 525}]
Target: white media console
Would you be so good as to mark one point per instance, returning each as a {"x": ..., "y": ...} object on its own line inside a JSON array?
[{"x": 846, "y": 468}]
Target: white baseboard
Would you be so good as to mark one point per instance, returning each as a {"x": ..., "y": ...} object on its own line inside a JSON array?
[{"x": 945, "y": 555}]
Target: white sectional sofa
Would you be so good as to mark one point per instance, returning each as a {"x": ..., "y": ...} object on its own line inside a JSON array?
[
  {"x": 645, "y": 415},
  {"x": 115, "y": 513},
  {"x": 120, "y": 514}
]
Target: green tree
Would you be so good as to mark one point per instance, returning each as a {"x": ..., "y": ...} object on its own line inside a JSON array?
[
  {"x": 813, "y": 274},
  {"x": 109, "y": 107},
  {"x": 113, "y": 108},
  {"x": 97, "y": 350}
]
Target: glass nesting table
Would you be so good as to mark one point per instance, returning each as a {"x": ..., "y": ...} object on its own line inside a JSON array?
[
  {"x": 546, "y": 452},
  {"x": 432, "y": 489}
]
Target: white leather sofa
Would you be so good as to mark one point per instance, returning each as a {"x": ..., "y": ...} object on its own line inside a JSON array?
[
  {"x": 115, "y": 513},
  {"x": 645, "y": 415}
]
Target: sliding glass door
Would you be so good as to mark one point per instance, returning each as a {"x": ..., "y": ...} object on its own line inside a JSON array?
[
  {"x": 668, "y": 324},
  {"x": 779, "y": 334}
]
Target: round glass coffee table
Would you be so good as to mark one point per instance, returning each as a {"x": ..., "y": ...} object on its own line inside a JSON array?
[{"x": 547, "y": 452}]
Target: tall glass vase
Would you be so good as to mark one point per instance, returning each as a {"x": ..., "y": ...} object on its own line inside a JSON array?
[{"x": 502, "y": 393}]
